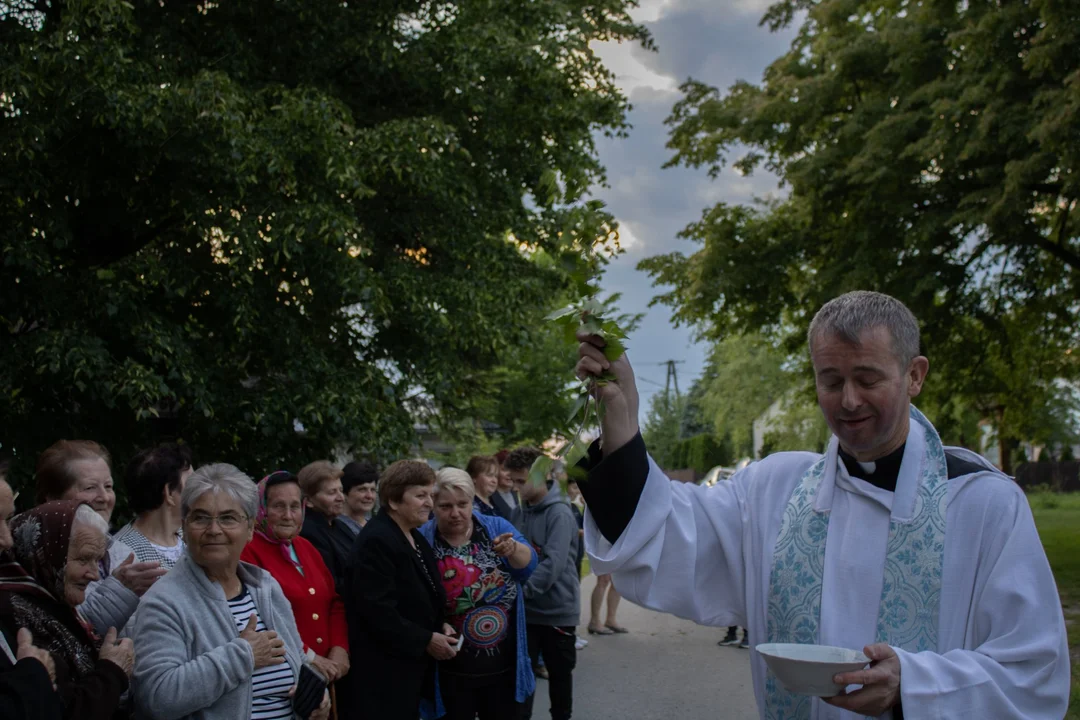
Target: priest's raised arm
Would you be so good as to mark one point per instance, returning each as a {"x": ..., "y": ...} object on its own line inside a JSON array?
[{"x": 675, "y": 548}]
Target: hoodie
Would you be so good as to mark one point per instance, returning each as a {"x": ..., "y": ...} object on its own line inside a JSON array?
[{"x": 552, "y": 593}]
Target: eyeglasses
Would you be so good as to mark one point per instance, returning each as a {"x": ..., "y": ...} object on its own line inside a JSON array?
[{"x": 226, "y": 521}]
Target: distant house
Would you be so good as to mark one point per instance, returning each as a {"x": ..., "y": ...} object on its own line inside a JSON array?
[
  {"x": 769, "y": 421},
  {"x": 430, "y": 445}
]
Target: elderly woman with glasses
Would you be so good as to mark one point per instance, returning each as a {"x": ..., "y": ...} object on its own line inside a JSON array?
[
  {"x": 483, "y": 562},
  {"x": 215, "y": 638},
  {"x": 299, "y": 569}
]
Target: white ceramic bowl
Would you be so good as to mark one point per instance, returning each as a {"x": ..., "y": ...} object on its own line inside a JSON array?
[{"x": 809, "y": 669}]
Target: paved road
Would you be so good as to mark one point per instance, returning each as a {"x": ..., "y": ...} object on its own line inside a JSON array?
[{"x": 665, "y": 669}]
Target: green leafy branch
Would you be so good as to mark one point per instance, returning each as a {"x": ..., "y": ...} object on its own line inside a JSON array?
[{"x": 591, "y": 316}]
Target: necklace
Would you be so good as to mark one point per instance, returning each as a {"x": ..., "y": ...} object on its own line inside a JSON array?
[{"x": 423, "y": 565}]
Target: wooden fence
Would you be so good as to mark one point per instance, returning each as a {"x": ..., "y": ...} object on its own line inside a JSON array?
[{"x": 1059, "y": 476}]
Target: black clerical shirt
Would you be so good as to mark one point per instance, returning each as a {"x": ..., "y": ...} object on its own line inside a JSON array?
[{"x": 885, "y": 470}]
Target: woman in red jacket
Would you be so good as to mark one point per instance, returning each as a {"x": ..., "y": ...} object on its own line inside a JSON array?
[{"x": 299, "y": 569}]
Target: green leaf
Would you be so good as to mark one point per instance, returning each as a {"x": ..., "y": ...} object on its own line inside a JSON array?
[
  {"x": 579, "y": 405},
  {"x": 614, "y": 348},
  {"x": 610, "y": 329},
  {"x": 592, "y": 306},
  {"x": 592, "y": 325},
  {"x": 562, "y": 312},
  {"x": 541, "y": 467},
  {"x": 575, "y": 451}
]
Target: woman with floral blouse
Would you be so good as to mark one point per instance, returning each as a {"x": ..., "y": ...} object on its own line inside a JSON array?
[{"x": 482, "y": 562}]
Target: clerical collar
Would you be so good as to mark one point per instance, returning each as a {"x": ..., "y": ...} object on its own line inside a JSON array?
[{"x": 881, "y": 473}]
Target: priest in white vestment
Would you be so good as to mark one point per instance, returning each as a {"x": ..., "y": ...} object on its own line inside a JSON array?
[{"x": 926, "y": 557}]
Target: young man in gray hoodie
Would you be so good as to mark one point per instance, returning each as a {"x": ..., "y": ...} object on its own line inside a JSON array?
[{"x": 552, "y": 594}]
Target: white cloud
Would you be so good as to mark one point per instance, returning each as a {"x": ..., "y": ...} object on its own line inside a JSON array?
[
  {"x": 638, "y": 182},
  {"x": 630, "y": 73},
  {"x": 651, "y": 10},
  {"x": 629, "y": 238},
  {"x": 756, "y": 8}
]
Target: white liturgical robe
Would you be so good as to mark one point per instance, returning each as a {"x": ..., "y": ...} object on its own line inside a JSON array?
[{"x": 705, "y": 554}]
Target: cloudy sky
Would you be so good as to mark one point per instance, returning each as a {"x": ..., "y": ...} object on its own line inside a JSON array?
[{"x": 717, "y": 42}]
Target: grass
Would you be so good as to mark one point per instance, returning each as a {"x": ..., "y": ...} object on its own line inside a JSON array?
[{"x": 1057, "y": 517}]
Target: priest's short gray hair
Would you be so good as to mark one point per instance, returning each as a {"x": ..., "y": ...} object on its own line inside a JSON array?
[
  {"x": 849, "y": 315},
  {"x": 451, "y": 478},
  {"x": 222, "y": 478}
]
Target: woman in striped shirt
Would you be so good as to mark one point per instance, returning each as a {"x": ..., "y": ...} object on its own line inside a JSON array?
[{"x": 215, "y": 638}]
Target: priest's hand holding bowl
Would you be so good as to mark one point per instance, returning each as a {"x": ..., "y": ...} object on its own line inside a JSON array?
[
  {"x": 620, "y": 398},
  {"x": 880, "y": 683}
]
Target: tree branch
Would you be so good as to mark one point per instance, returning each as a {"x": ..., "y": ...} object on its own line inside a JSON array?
[
  {"x": 979, "y": 252},
  {"x": 1060, "y": 251},
  {"x": 105, "y": 248},
  {"x": 1063, "y": 221}
]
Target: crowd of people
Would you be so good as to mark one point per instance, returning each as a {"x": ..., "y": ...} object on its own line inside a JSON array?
[
  {"x": 415, "y": 593},
  {"x": 410, "y": 593}
]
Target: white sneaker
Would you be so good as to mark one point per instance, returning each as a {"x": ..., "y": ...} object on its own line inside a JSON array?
[{"x": 580, "y": 643}]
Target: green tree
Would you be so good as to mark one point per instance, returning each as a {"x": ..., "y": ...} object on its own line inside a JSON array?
[
  {"x": 665, "y": 433},
  {"x": 744, "y": 375},
  {"x": 527, "y": 398},
  {"x": 662, "y": 430},
  {"x": 703, "y": 452},
  {"x": 799, "y": 426},
  {"x": 274, "y": 229},
  {"x": 927, "y": 151}
]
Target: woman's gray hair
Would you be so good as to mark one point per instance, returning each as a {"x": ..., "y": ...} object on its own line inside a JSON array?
[
  {"x": 86, "y": 516},
  {"x": 853, "y": 313},
  {"x": 451, "y": 478},
  {"x": 220, "y": 478}
]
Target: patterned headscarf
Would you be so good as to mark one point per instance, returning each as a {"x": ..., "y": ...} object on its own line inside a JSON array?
[
  {"x": 262, "y": 520},
  {"x": 41, "y": 536},
  {"x": 34, "y": 576}
]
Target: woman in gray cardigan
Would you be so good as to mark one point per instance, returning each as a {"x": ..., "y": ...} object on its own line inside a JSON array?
[{"x": 215, "y": 639}]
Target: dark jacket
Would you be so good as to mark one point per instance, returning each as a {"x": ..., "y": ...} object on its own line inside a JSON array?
[
  {"x": 26, "y": 693},
  {"x": 93, "y": 695},
  {"x": 510, "y": 514},
  {"x": 393, "y": 606},
  {"x": 333, "y": 541}
]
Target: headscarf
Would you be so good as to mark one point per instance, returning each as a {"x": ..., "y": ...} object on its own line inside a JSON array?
[
  {"x": 34, "y": 576},
  {"x": 262, "y": 520}
]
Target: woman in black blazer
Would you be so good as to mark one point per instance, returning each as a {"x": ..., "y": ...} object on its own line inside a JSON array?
[{"x": 394, "y": 601}]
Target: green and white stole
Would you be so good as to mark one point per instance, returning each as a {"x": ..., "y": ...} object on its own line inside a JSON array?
[{"x": 911, "y": 592}]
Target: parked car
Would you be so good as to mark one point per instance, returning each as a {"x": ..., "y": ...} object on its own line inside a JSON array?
[{"x": 715, "y": 475}]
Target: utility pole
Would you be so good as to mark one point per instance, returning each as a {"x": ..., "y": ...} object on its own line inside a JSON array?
[{"x": 672, "y": 379}]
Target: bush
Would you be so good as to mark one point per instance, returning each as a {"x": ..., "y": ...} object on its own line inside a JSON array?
[
  {"x": 1043, "y": 497},
  {"x": 701, "y": 452}
]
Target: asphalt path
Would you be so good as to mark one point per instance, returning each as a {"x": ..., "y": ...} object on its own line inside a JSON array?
[{"x": 666, "y": 668}]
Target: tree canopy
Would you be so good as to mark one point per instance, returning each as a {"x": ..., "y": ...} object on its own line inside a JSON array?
[
  {"x": 927, "y": 150},
  {"x": 269, "y": 228}
]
